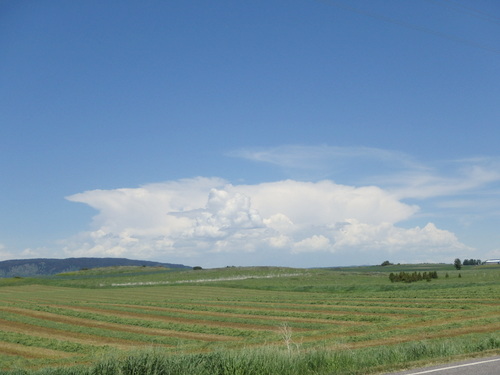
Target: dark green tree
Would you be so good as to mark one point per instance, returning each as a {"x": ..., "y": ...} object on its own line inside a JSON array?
[{"x": 457, "y": 264}]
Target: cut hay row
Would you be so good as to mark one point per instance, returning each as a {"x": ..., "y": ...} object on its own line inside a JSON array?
[
  {"x": 370, "y": 335},
  {"x": 189, "y": 323},
  {"x": 259, "y": 317},
  {"x": 44, "y": 317},
  {"x": 144, "y": 315},
  {"x": 137, "y": 322},
  {"x": 423, "y": 323},
  {"x": 18, "y": 350},
  {"x": 403, "y": 329},
  {"x": 430, "y": 334},
  {"x": 65, "y": 335},
  {"x": 267, "y": 315},
  {"x": 263, "y": 307}
]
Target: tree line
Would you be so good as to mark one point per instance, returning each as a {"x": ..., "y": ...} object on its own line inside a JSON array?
[
  {"x": 472, "y": 262},
  {"x": 467, "y": 262}
]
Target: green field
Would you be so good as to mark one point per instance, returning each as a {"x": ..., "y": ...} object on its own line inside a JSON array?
[{"x": 343, "y": 320}]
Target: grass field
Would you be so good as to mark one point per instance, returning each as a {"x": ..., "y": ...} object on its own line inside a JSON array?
[{"x": 350, "y": 320}]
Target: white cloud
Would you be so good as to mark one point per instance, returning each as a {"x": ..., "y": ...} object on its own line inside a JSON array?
[
  {"x": 34, "y": 253},
  {"x": 388, "y": 237},
  {"x": 312, "y": 244},
  {"x": 324, "y": 202},
  {"x": 225, "y": 212},
  {"x": 210, "y": 222},
  {"x": 26, "y": 253},
  {"x": 4, "y": 253},
  {"x": 394, "y": 171},
  {"x": 321, "y": 157},
  {"x": 427, "y": 184}
]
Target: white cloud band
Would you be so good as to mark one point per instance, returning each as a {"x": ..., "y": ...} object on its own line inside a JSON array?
[{"x": 211, "y": 222}]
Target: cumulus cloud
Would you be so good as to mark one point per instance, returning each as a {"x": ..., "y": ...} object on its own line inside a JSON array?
[
  {"x": 224, "y": 213},
  {"x": 211, "y": 222},
  {"x": 324, "y": 202},
  {"x": 385, "y": 236}
]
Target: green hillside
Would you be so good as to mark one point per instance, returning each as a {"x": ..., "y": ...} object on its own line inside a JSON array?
[{"x": 44, "y": 266}]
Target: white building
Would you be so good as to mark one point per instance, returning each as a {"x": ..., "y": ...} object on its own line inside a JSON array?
[{"x": 492, "y": 261}]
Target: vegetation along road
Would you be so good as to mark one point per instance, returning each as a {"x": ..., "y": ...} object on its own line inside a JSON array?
[
  {"x": 482, "y": 366},
  {"x": 260, "y": 320}
]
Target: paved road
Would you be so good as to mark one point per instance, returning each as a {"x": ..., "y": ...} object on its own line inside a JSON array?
[{"x": 478, "y": 366}]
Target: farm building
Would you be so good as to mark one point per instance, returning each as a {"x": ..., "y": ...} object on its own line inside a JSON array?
[{"x": 492, "y": 261}]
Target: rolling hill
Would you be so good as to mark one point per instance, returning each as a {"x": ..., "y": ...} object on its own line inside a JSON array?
[{"x": 47, "y": 266}]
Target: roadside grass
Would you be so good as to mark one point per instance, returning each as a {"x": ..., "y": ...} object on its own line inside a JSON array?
[
  {"x": 340, "y": 321},
  {"x": 273, "y": 360}
]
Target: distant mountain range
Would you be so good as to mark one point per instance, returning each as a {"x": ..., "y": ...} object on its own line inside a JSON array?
[{"x": 41, "y": 266}]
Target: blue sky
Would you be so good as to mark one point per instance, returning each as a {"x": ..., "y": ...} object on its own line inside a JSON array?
[{"x": 295, "y": 133}]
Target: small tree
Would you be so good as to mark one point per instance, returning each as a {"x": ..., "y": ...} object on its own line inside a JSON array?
[{"x": 457, "y": 264}]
